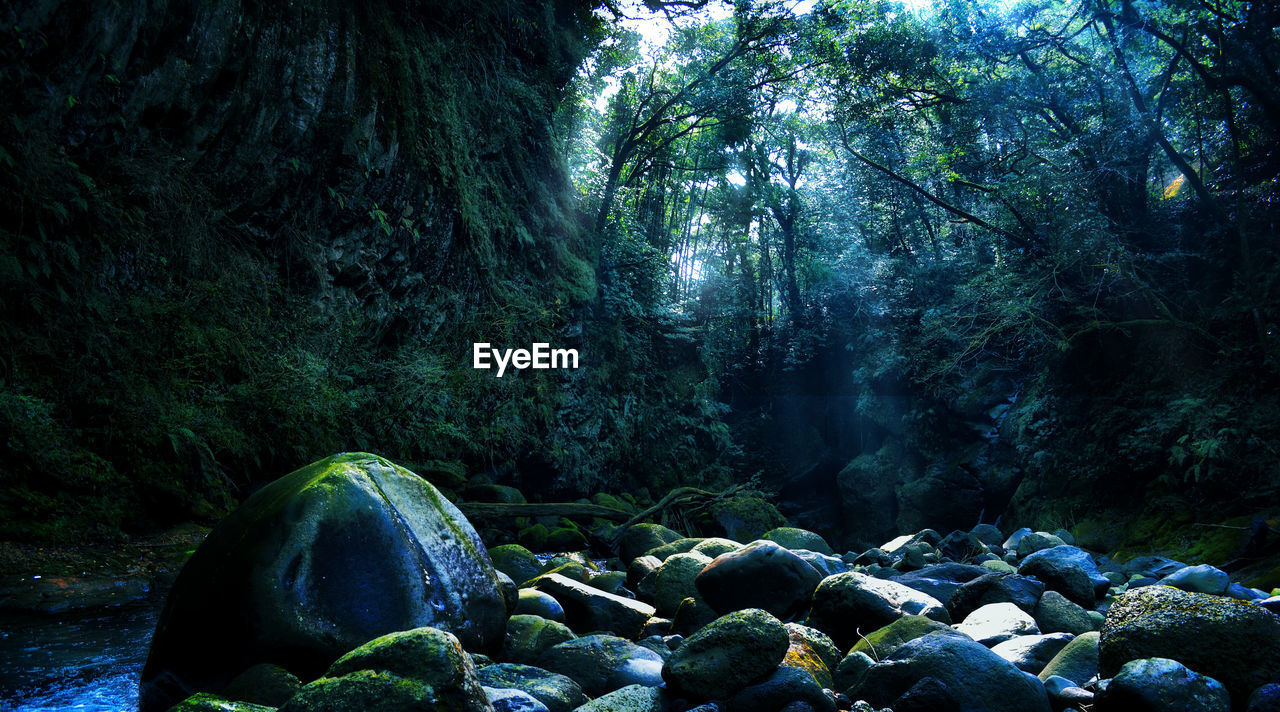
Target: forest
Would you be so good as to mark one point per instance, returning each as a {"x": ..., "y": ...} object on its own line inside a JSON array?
[
  {"x": 895, "y": 264},
  {"x": 557, "y": 296}
]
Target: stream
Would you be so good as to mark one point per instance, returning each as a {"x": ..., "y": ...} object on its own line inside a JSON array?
[{"x": 87, "y": 663}]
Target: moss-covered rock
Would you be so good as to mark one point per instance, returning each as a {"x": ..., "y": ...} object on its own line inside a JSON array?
[
  {"x": 427, "y": 655},
  {"x": 374, "y": 691},
  {"x": 529, "y": 636},
  {"x": 643, "y": 537},
  {"x": 558, "y": 692},
  {"x": 530, "y": 601},
  {"x": 315, "y": 564},
  {"x": 745, "y": 517},
  {"x": 632, "y": 698},
  {"x": 676, "y": 580},
  {"x": 796, "y": 538},
  {"x": 565, "y": 539},
  {"x": 1077, "y": 662},
  {"x": 515, "y": 561},
  {"x": 727, "y": 655},
  {"x": 1232, "y": 641},
  {"x": 263, "y": 684},
  {"x": 882, "y": 642},
  {"x": 845, "y": 605},
  {"x": 603, "y": 663},
  {"x": 205, "y": 702}
]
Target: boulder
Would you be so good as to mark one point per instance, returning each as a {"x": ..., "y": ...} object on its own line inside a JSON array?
[
  {"x": 263, "y": 684},
  {"x": 941, "y": 581},
  {"x": 785, "y": 686},
  {"x": 315, "y": 564},
  {"x": 375, "y": 691},
  {"x": 632, "y": 698},
  {"x": 530, "y": 636},
  {"x": 973, "y": 676},
  {"x": 761, "y": 575},
  {"x": 675, "y": 580},
  {"x": 513, "y": 700},
  {"x": 727, "y": 655},
  {"x": 845, "y": 605},
  {"x": 1077, "y": 661},
  {"x": 1199, "y": 579},
  {"x": 1035, "y": 541},
  {"x": 426, "y": 655},
  {"x": 603, "y": 663},
  {"x": 532, "y": 602},
  {"x": 558, "y": 692},
  {"x": 1030, "y": 653},
  {"x": 796, "y": 538},
  {"x": 587, "y": 608},
  {"x": 1055, "y": 614},
  {"x": 205, "y": 702},
  {"x": 515, "y": 561},
  {"x": 1067, "y": 570},
  {"x": 640, "y": 538},
  {"x": 1235, "y": 642},
  {"x": 997, "y": 622},
  {"x": 744, "y": 517},
  {"x": 995, "y": 588},
  {"x": 715, "y": 546},
  {"x": 882, "y": 643},
  {"x": 1160, "y": 685}
]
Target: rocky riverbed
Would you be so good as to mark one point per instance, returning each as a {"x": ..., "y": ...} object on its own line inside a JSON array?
[{"x": 983, "y": 619}]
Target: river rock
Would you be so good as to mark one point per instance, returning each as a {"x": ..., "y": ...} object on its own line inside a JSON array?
[
  {"x": 761, "y": 575},
  {"x": 1036, "y": 541},
  {"x": 205, "y": 702},
  {"x": 427, "y": 655},
  {"x": 675, "y": 580},
  {"x": 1055, "y": 614},
  {"x": 632, "y": 698},
  {"x": 1069, "y": 571},
  {"x": 528, "y": 637},
  {"x": 374, "y": 691},
  {"x": 997, "y": 622},
  {"x": 1030, "y": 653},
  {"x": 263, "y": 684},
  {"x": 941, "y": 581},
  {"x": 714, "y": 546},
  {"x": 532, "y": 602},
  {"x": 1199, "y": 579},
  {"x": 973, "y": 676},
  {"x": 1235, "y": 642},
  {"x": 845, "y": 605},
  {"x": 727, "y": 655},
  {"x": 587, "y": 608},
  {"x": 515, "y": 561},
  {"x": 558, "y": 692},
  {"x": 1161, "y": 685},
  {"x": 315, "y": 564},
  {"x": 603, "y": 663},
  {"x": 1021, "y": 591},
  {"x": 1077, "y": 661},
  {"x": 796, "y": 538},
  {"x": 512, "y": 700},
  {"x": 640, "y": 538},
  {"x": 785, "y": 686}
]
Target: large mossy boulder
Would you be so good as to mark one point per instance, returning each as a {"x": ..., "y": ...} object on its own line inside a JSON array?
[
  {"x": 727, "y": 655},
  {"x": 1235, "y": 642},
  {"x": 315, "y": 564}
]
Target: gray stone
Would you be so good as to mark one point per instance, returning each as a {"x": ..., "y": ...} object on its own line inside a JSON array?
[
  {"x": 1199, "y": 579},
  {"x": 1077, "y": 662},
  {"x": 975, "y": 677},
  {"x": 997, "y": 622},
  {"x": 528, "y": 637},
  {"x": 587, "y": 608},
  {"x": 784, "y": 686},
  {"x": 1037, "y": 541},
  {"x": 1021, "y": 591},
  {"x": 761, "y": 575},
  {"x": 558, "y": 692},
  {"x": 1160, "y": 685},
  {"x": 603, "y": 663},
  {"x": 1055, "y": 614},
  {"x": 513, "y": 700},
  {"x": 1067, "y": 570},
  {"x": 1030, "y": 653},
  {"x": 848, "y": 604},
  {"x": 531, "y": 601}
]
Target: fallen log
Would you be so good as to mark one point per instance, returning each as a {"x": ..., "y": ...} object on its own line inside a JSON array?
[{"x": 500, "y": 510}]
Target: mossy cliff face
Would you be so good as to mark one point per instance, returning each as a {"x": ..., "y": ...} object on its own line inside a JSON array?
[{"x": 235, "y": 236}]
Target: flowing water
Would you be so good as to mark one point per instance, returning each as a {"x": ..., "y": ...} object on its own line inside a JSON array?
[{"x": 89, "y": 663}]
